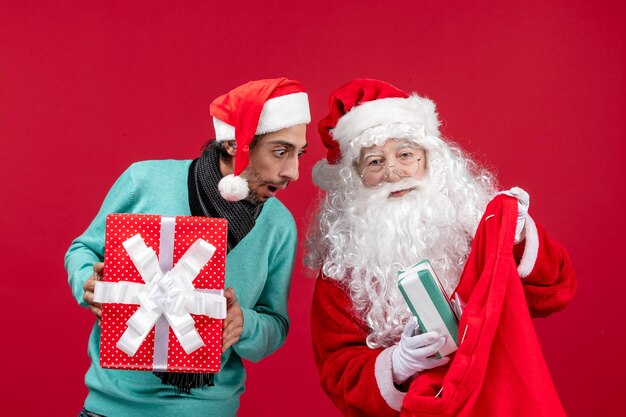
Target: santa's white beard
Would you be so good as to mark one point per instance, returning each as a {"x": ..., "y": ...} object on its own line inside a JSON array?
[{"x": 376, "y": 236}]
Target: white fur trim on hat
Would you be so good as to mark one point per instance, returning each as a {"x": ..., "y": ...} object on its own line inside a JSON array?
[
  {"x": 278, "y": 113},
  {"x": 283, "y": 112},
  {"x": 399, "y": 118},
  {"x": 223, "y": 131},
  {"x": 233, "y": 188},
  {"x": 325, "y": 175}
]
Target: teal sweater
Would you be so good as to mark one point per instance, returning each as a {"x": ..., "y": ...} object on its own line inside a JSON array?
[{"x": 259, "y": 269}]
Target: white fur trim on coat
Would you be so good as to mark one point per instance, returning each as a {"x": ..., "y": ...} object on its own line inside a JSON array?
[
  {"x": 400, "y": 118},
  {"x": 278, "y": 113},
  {"x": 384, "y": 379},
  {"x": 531, "y": 248}
]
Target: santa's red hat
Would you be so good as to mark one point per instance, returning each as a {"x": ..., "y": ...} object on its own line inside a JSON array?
[
  {"x": 367, "y": 112},
  {"x": 255, "y": 108}
]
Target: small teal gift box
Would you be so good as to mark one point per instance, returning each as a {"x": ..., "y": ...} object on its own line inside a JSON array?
[{"x": 429, "y": 302}]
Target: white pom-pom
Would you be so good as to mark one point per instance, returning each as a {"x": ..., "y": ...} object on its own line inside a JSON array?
[
  {"x": 325, "y": 175},
  {"x": 233, "y": 188}
]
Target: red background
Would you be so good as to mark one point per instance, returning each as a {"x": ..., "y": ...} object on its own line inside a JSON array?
[{"x": 535, "y": 89}]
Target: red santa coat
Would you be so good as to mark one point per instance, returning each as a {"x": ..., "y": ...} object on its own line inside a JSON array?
[{"x": 499, "y": 368}]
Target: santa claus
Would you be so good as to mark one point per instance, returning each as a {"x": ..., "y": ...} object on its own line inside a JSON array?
[{"x": 397, "y": 193}]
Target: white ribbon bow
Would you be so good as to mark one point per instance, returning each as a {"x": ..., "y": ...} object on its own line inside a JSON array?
[{"x": 171, "y": 294}]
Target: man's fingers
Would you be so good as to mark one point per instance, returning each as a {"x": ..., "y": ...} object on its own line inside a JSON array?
[
  {"x": 230, "y": 325},
  {"x": 231, "y": 299},
  {"x": 233, "y": 329},
  {"x": 98, "y": 268},
  {"x": 96, "y": 309},
  {"x": 233, "y": 324},
  {"x": 231, "y": 335},
  {"x": 229, "y": 342},
  {"x": 89, "y": 286},
  {"x": 88, "y": 297}
]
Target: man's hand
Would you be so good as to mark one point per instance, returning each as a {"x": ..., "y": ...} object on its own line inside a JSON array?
[
  {"x": 89, "y": 285},
  {"x": 233, "y": 325},
  {"x": 412, "y": 354}
]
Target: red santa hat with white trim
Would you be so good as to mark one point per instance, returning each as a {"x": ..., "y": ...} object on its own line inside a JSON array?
[
  {"x": 367, "y": 112},
  {"x": 255, "y": 108}
]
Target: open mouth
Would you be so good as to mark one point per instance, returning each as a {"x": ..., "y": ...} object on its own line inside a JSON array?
[
  {"x": 272, "y": 189},
  {"x": 400, "y": 193}
]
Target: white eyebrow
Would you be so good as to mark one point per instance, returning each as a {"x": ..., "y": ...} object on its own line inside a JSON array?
[
  {"x": 395, "y": 148},
  {"x": 368, "y": 155},
  {"x": 406, "y": 145}
]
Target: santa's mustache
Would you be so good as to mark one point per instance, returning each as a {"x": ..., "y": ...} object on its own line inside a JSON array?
[{"x": 383, "y": 191}]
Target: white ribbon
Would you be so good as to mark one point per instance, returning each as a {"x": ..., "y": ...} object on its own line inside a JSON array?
[{"x": 170, "y": 294}]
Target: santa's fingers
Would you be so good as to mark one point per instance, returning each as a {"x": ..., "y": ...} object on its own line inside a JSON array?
[
  {"x": 410, "y": 327},
  {"x": 430, "y": 349},
  {"x": 421, "y": 340},
  {"x": 522, "y": 196},
  {"x": 435, "y": 362}
]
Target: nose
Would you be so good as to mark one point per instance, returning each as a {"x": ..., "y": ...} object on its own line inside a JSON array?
[
  {"x": 391, "y": 175},
  {"x": 291, "y": 169}
]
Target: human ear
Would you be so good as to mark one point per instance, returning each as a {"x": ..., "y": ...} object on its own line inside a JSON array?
[{"x": 231, "y": 147}]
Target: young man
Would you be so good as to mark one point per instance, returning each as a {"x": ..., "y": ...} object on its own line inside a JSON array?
[
  {"x": 260, "y": 136},
  {"x": 396, "y": 193}
]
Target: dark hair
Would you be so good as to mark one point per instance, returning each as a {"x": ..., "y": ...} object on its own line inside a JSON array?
[{"x": 221, "y": 148}]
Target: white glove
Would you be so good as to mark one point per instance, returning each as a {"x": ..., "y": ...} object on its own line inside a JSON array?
[
  {"x": 523, "y": 202},
  {"x": 412, "y": 353}
]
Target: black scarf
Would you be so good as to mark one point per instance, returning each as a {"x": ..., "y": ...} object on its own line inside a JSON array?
[{"x": 205, "y": 200}]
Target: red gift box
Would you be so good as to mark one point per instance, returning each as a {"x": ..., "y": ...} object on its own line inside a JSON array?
[{"x": 162, "y": 293}]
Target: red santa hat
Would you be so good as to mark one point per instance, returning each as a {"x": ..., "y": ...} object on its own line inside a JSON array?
[
  {"x": 255, "y": 108},
  {"x": 366, "y": 112}
]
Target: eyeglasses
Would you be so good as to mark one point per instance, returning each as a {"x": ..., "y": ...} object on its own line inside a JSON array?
[{"x": 377, "y": 169}]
